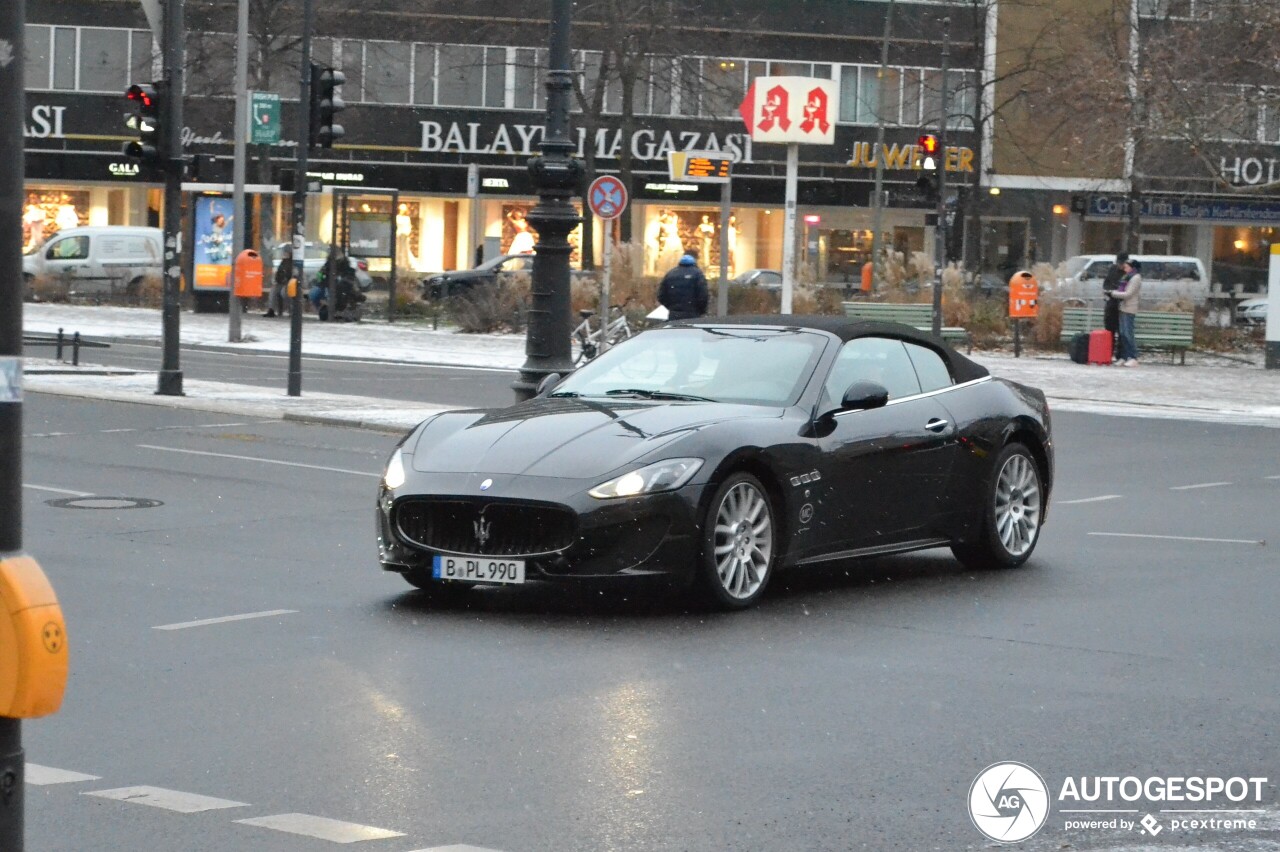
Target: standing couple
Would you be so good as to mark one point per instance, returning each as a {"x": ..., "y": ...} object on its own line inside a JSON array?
[{"x": 1122, "y": 288}]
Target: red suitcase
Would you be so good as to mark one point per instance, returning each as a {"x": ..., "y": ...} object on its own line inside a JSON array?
[{"x": 1100, "y": 347}]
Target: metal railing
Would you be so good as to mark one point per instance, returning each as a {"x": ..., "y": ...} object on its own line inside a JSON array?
[{"x": 60, "y": 340}]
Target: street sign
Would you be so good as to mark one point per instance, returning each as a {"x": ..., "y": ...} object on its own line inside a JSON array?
[
  {"x": 699, "y": 166},
  {"x": 607, "y": 197},
  {"x": 264, "y": 123},
  {"x": 791, "y": 110}
]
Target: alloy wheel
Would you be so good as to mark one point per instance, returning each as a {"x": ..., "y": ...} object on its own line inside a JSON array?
[
  {"x": 1017, "y": 509},
  {"x": 743, "y": 541}
]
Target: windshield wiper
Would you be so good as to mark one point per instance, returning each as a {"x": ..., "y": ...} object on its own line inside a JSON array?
[
  {"x": 564, "y": 394},
  {"x": 657, "y": 394}
]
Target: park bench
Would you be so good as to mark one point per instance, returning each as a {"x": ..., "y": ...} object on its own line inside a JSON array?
[
  {"x": 918, "y": 316},
  {"x": 1164, "y": 330}
]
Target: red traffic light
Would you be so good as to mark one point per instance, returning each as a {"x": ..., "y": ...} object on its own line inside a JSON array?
[
  {"x": 144, "y": 94},
  {"x": 928, "y": 143}
]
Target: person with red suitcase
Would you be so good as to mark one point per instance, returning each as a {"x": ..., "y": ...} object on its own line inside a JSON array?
[
  {"x": 1127, "y": 294},
  {"x": 1111, "y": 307}
]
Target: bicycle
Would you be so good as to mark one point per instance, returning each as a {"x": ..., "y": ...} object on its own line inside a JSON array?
[{"x": 589, "y": 341}]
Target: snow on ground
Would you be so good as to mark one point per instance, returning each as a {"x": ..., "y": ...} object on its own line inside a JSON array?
[{"x": 1208, "y": 388}]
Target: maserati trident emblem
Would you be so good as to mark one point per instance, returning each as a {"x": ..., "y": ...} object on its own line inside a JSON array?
[{"x": 481, "y": 527}]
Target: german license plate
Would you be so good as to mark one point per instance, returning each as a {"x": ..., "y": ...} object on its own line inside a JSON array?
[{"x": 478, "y": 569}]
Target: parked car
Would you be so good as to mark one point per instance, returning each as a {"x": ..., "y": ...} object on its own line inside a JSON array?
[
  {"x": 98, "y": 260},
  {"x": 765, "y": 279},
  {"x": 313, "y": 260},
  {"x": 495, "y": 270},
  {"x": 1165, "y": 277},
  {"x": 715, "y": 452},
  {"x": 1252, "y": 311}
]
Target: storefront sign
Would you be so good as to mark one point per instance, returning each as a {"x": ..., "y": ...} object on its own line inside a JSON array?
[
  {"x": 337, "y": 177},
  {"x": 791, "y": 110},
  {"x": 671, "y": 188},
  {"x": 495, "y": 183},
  {"x": 473, "y": 137},
  {"x": 124, "y": 170},
  {"x": 1250, "y": 171},
  {"x": 898, "y": 157},
  {"x": 46, "y": 122},
  {"x": 1243, "y": 211},
  {"x": 699, "y": 167}
]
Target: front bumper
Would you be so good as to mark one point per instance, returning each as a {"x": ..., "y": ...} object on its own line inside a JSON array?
[{"x": 644, "y": 536}]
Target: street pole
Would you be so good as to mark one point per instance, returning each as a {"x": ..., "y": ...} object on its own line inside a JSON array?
[
  {"x": 877, "y": 207},
  {"x": 240, "y": 225},
  {"x": 940, "y": 230},
  {"x": 300, "y": 206},
  {"x": 557, "y": 176},
  {"x": 12, "y": 103},
  {"x": 789, "y": 227},
  {"x": 170, "y": 379},
  {"x": 605, "y": 285},
  {"x": 722, "y": 292}
]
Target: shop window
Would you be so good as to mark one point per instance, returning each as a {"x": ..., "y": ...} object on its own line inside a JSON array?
[
  {"x": 912, "y": 83},
  {"x": 388, "y": 70},
  {"x": 353, "y": 68},
  {"x": 141, "y": 56},
  {"x": 64, "y": 58},
  {"x": 45, "y": 212},
  {"x": 104, "y": 59},
  {"x": 662, "y": 81},
  {"x": 723, "y": 86},
  {"x": 36, "y": 67},
  {"x": 461, "y": 75},
  {"x": 495, "y": 77},
  {"x": 690, "y": 85},
  {"x": 424, "y": 74},
  {"x": 588, "y": 64},
  {"x": 1271, "y": 120},
  {"x": 322, "y": 52},
  {"x": 528, "y": 71}
]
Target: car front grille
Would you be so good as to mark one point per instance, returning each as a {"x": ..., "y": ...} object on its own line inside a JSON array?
[{"x": 485, "y": 527}]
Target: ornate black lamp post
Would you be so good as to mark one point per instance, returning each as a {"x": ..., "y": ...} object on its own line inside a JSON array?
[{"x": 557, "y": 175}]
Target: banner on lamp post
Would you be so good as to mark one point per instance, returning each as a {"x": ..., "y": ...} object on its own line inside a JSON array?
[{"x": 785, "y": 110}]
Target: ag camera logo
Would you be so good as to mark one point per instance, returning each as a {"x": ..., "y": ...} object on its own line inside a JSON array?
[{"x": 1008, "y": 802}]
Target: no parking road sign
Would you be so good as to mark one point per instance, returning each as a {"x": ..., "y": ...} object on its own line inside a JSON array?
[{"x": 607, "y": 197}]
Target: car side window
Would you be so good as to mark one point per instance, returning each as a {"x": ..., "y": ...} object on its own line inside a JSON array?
[
  {"x": 1097, "y": 269},
  {"x": 930, "y": 367},
  {"x": 69, "y": 248},
  {"x": 876, "y": 359}
]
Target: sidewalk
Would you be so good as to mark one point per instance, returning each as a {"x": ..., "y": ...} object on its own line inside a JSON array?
[{"x": 1209, "y": 388}]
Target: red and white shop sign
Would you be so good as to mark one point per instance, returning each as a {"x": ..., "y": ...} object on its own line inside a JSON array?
[{"x": 791, "y": 109}]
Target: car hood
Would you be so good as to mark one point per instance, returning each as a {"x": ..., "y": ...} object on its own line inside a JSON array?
[{"x": 563, "y": 438}]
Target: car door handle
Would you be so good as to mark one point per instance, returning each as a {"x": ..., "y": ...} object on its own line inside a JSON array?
[{"x": 936, "y": 425}]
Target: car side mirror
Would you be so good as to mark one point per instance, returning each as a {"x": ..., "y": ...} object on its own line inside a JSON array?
[
  {"x": 863, "y": 395},
  {"x": 548, "y": 384}
]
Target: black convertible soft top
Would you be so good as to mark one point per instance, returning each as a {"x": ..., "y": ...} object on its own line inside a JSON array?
[{"x": 962, "y": 368}]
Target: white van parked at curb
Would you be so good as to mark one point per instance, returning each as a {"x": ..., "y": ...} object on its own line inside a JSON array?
[
  {"x": 98, "y": 260},
  {"x": 1165, "y": 278}
]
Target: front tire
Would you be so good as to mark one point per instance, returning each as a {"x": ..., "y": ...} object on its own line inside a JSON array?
[
  {"x": 739, "y": 544},
  {"x": 1013, "y": 508}
]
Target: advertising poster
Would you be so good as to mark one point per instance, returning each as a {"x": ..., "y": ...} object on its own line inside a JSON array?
[{"x": 214, "y": 240}]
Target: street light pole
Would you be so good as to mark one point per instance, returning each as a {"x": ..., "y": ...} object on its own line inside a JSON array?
[
  {"x": 877, "y": 207},
  {"x": 557, "y": 175},
  {"x": 170, "y": 378},
  {"x": 294, "y": 382},
  {"x": 240, "y": 224},
  {"x": 940, "y": 230}
]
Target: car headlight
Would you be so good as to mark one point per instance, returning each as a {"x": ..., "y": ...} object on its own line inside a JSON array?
[
  {"x": 660, "y": 476},
  {"x": 394, "y": 476}
]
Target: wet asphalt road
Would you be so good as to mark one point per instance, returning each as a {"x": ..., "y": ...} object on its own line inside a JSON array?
[{"x": 851, "y": 710}]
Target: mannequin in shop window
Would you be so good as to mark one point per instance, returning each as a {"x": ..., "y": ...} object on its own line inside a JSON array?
[
  {"x": 706, "y": 230},
  {"x": 669, "y": 243},
  {"x": 523, "y": 241},
  {"x": 406, "y": 260}
]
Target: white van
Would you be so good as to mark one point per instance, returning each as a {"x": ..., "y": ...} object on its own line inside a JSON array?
[
  {"x": 1165, "y": 278},
  {"x": 96, "y": 261}
]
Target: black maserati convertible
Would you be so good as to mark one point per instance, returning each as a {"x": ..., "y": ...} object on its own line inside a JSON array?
[{"x": 720, "y": 451}]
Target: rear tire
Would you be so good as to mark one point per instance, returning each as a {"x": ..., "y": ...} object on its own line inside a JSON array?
[
  {"x": 739, "y": 544},
  {"x": 1013, "y": 508}
]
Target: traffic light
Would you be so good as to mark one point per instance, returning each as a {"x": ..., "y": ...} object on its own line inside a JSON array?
[
  {"x": 145, "y": 120},
  {"x": 325, "y": 103},
  {"x": 928, "y": 182}
]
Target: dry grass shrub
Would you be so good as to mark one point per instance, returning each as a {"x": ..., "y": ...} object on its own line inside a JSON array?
[
  {"x": 1233, "y": 339},
  {"x": 49, "y": 288},
  {"x": 151, "y": 292},
  {"x": 488, "y": 309},
  {"x": 1046, "y": 328}
]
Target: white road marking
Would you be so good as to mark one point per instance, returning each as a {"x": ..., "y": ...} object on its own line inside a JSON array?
[
  {"x": 259, "y": 460},
  {"x": 138, "y": 429},
  {"x": 224, "y": 619},
  {"x": 43, "y": 775},
  {"x": 57, "y": 490},
  {"x": 170, "y": 800},
  {"x": 1273, "y": 477},
  {"x": 457, "y": 847},
  {"x": 1199, "y": 485},
  {"x": 1089, "y": 500},
  {"x": 1260, "y": 543},
  {"x": 333, "y": 830},
  {"x": 1098, "y": 811}
]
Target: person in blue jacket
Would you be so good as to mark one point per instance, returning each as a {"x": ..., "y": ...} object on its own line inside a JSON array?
[{"x": 683, "y": 291}]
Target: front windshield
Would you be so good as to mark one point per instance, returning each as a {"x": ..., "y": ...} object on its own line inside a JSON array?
[{"x": 732, "y": 364}]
